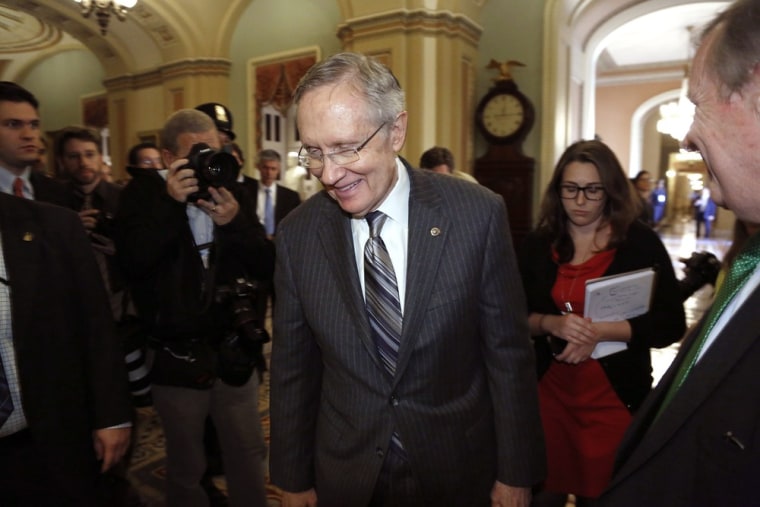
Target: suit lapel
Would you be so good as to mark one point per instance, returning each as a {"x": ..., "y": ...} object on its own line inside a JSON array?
[
  {"x": 730, "y": 345},
  {"x": 428, "y": 232},
  {"x": 337, "y": 243},
  {"x": 21, "y": 252}
]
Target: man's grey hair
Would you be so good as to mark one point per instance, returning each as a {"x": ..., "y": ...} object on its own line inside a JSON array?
[
  {"x": 181, "y": 122},
  {"x": 735, "y": 51},
  {"x": 370, "y": 79},
  {"x": 269, "y": 155}
]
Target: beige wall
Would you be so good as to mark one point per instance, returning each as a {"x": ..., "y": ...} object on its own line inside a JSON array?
[{"x": 615, "y": 106}]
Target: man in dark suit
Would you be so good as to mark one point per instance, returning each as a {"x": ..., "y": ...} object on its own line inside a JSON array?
[
  {"x": 19, "y": 149},
  {"x": 61, "y": 358},
  {"x": 283, "y": 200},
  {"x": 696, "y": 438},
  {"x": 450, "y": 415}
]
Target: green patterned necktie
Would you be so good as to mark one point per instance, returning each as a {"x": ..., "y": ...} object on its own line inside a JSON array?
[{"x": 741, "y": 269}]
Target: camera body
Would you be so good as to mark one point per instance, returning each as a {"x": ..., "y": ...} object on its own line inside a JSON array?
[
  {"x": 240, "y": 296},
  {"x": 701, "y": 269},
  {"x": 212, "y": 169},
  {"x": 240, "y": 352}
]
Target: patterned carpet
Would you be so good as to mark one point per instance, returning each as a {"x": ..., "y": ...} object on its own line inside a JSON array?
[{"x": 147, "y": 471}]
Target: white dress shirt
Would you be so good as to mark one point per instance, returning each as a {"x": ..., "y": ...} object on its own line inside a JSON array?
[
  {"x": 17, "y": 420},
  {"x": 395, "y": 232}
]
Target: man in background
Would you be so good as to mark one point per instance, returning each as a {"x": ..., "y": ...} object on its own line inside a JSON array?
[
  {"x": 78, "y": 154},
  {"x": 695, "y": 441},
  {"x": 145, "y": 155},
  {"x": 272, "y": 201},
  {"x": 222, "y": 117},
  {"x": 642, "y": 182},
  {"x": 19, "y": 149},
  {"x": 440, "y": 160},
  {"x": 705, "y": 211}
]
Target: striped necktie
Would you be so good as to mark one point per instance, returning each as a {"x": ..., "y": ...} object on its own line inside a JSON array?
[
  {"x": 741, "y": 268},
  {"x": 383, "y": 304},
  {"x": 381, "y": 292}
]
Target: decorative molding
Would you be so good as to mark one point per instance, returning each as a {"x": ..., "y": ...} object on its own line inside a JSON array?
[
  {"x": 173, "y": 70},
  {"x": 411, "y": 21},
  {"x": 21, "y": 31},
  {"x": 162, "y": 33}
]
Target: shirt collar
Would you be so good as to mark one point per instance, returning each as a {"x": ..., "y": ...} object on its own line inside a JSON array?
[
  {"x": 396, "y": 204},
  {"x": 7, "y": 178}
]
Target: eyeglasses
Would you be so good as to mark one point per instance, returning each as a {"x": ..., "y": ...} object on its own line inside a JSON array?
[
  {"x": 590, "y": 192},
  {"x": 155, "y": 163},
  {"x": 315, "y": 159}
]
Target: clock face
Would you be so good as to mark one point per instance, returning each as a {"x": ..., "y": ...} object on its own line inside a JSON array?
[{"x": 503, "y": 115}]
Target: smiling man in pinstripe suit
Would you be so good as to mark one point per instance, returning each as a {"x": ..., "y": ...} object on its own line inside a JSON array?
[{"x": 452, "y": 417}]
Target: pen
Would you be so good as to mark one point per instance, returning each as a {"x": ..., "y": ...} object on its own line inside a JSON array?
[{"x": 568, "y": 307}]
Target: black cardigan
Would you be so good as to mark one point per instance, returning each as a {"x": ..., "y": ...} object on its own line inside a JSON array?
[{"x": 629, "y": 371}]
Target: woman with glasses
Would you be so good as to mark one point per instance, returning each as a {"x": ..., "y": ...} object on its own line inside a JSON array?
[{"x": 588, "y": 228}]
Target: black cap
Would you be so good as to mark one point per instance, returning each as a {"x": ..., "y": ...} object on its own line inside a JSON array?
[{"x": 221, "y": 116}]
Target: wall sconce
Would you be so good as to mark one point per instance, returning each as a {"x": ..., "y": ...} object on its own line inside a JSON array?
[{"x": 103, "y": 10}]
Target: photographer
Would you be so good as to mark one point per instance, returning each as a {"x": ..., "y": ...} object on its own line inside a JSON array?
[{"x": 181, "y": 237}]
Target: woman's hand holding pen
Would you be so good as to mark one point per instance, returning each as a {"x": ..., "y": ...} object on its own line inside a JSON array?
[{"x": 581, "y": 336}]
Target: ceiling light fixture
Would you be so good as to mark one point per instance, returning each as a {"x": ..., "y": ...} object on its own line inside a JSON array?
[
  {"x": 103, "y": 10},
  {"x": 676, "y": 116}
]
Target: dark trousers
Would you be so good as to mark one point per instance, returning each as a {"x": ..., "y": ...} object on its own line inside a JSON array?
[
  {"x": 396, "y": 485},
  {"x": 27, "y": 481}
]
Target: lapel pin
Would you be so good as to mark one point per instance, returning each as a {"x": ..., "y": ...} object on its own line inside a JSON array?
[
  {"x": 435, "y": 231},
  {"x": 28, "y": 236}
]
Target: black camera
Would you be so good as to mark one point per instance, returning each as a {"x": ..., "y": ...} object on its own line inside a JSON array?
[
  {"x": 212, "y": 169},
  {"x": 240, "y": 352},
  {"x": 701, "y": 269}
]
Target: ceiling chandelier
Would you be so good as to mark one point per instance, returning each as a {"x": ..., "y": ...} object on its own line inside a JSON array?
[
  {"x": 676, "y": 116},
  {"x": 103, "y": 10}
]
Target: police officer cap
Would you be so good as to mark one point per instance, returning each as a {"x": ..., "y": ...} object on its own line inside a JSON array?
[{"x": 221, "y": 116}]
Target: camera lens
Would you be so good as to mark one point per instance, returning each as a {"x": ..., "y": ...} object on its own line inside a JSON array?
[
  {"x": 220, "y": 169},
  {"x": 212, "y": 169}
]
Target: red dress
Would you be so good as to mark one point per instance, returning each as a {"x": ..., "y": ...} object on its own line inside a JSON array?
[{"x": 582, "y": 416}]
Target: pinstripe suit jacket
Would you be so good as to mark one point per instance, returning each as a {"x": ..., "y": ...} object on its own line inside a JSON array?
[{"x": 464, "y": 395}]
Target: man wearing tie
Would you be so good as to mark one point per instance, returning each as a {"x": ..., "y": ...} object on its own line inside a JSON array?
[
  {"x": 696, "y": 438},
  {"x": 19, "y": 149},
  {"x": 402, "y": 372},
  {"x": 272, "y": 201},
  {"x": 64, "y": 403}
]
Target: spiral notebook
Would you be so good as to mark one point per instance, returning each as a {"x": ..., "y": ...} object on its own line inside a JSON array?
[{"x": 618, "y": 297}]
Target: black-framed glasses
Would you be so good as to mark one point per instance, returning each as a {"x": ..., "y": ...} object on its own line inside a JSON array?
[
  {"x": 593, "y": 192},
  {"x": 315, "y": 159}
]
